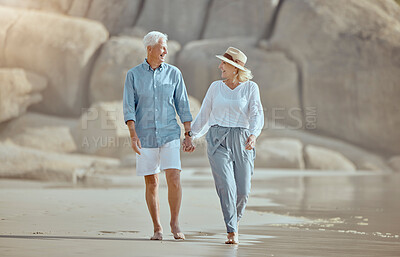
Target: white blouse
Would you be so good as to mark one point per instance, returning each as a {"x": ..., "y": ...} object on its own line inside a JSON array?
[{"x": 238, "y": 107}]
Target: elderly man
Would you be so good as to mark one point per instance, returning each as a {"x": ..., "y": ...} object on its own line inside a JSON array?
[{"x": 154, "y": 92}]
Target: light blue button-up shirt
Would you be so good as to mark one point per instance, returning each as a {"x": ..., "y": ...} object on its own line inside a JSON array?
[{"x": 151, "y": 98}]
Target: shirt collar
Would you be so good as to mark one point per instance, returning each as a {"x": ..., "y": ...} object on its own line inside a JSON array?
[{"x": 147, "y": 66}]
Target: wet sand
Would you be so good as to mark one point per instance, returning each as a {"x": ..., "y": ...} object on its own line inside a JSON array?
[{"x": 290, "y": 213}]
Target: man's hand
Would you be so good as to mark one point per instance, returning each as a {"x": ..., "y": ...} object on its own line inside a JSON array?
[
  {"x": 187, "y": 145},
  {"x": 136, "y": 145},
  {"x": 251, "y": 142}
]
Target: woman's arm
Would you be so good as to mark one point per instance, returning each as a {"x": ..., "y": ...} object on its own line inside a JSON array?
[
  {"x": 256, "y": 113},
  {"x": 200, "y": 125}
]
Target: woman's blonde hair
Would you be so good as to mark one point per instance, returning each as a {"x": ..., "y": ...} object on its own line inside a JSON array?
[{"x": 242, "y": 75}]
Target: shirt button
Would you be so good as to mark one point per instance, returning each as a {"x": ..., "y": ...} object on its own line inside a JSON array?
[{"x": 156, "y": 97}]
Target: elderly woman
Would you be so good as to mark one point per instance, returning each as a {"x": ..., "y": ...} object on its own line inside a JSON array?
[{"x": 232, "y": 114}]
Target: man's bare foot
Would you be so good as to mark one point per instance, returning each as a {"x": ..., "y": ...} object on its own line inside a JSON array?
[
  {"x": 176, "y": 231},
  {"x": 157, "y": 236},
  {"x": 233, "y": 238}
]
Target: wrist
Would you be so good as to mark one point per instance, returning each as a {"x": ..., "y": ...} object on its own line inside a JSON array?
[{"x": 188, "y": 134}]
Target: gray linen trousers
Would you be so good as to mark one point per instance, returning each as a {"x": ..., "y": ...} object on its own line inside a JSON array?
[{"x": 232, "y": 167}]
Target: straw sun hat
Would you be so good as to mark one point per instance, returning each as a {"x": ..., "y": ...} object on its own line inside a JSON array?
[{"x": 234, "y": 57}]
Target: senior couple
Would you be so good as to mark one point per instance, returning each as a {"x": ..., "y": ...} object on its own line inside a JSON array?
[{"x": 231, "y": 114}]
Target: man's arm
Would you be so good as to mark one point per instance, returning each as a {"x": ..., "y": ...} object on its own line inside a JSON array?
[
  {"x": 135, "y": 141},
  {"x": 130, "y": 111}
]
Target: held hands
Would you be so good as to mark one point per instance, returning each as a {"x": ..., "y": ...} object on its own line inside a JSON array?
[
  {"x": 251, "y": 142},
  {"x": 187, "y": 145},
  {"x": 136, "y": 145}
]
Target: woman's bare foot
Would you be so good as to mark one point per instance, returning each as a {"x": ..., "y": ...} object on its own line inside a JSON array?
[
  {"x": 233, "y": 238},
  {"x": 176, "y": 231},
  {"x": 158, "y": 235}
]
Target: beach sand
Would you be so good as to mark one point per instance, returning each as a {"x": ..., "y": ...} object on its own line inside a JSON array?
[{"x": 290, "y": 213}]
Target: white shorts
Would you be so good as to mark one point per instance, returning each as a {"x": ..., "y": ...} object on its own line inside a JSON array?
[{"x": 153, "y": 160}]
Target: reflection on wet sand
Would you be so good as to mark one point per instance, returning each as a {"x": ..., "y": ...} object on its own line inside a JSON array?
[
  {"x": 363, "y": 210},
  {"x": 363, "y": 203}
]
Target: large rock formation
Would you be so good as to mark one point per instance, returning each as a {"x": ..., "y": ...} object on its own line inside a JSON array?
[
  {"x": 394, "y": 162},
  {"x": 102, "y": 131},
  {"x": 59, "y": 6},
  {"x": 59, "y": 47},
  {"x": 363, "y": 159},
  {"x": 44, "y": 132},
  {"x": 117, "y": 56},
  {"x": 28, "y": 163},
  {"x": 182, "y": 20},
  {"x": 239, "y": 18},
  {"x": 18, "y": 90},
  {"x": 348, "y": 52},
  {"x": 326, "y": 159},
  {"x": 329, "y": 66},
  {"x": 282, "y": 153},
  {"x": 114, "y": 14}
]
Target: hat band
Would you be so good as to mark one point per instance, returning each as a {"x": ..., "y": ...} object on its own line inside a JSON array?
[{"x": 229, "y": 57}]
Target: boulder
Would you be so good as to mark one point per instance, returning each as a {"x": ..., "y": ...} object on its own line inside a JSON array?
[
  {"x": 238, "y": 18},
  {"x": 102, "y": 131},
  {"x": 28, "y": 163},
  {"x": 133, "y": 32},
  {"x": 182, "y": 20},
  {"x": 8, "y": 17},
  {"x": 58, "y": 6},
  {"x": 275, "y": 74},
  {"x": 56, "y": 46},
  {"x": 277, "y": 78},
  {"x": 282, "y": 153},
  {"x": 117, "y": 56},
  {"x": 39, "y": 131},
  {"x": 114, "y": 14},
  {"x": 394, "y": 162},
  {"x": 348, "y": 52},
  {"x": 322, "y": 158},
  {"x": 18, "y": 90},
  {"x": 363, "y": 159}
]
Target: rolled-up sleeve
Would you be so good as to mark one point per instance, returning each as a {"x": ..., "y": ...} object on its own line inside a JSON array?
[
  {"x": 181, "y": 100},
  {"x": 129, "y": 99}
]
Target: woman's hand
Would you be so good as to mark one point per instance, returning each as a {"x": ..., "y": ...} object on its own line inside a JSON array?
[
  {"x": 187, "y": 145},
  {"x": 251, "y": 142}
]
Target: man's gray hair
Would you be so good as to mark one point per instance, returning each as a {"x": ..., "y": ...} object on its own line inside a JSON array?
[{"x": 153, "y": 37}]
